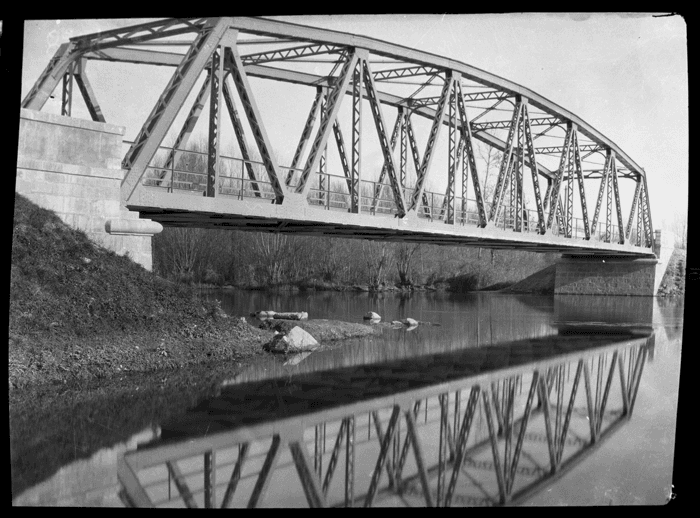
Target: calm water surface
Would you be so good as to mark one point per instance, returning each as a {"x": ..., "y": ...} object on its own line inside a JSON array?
[{"x": 634, "y": 466}]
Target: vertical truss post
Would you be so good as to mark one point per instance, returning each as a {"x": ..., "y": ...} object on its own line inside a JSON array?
[
  {"x": 451, "y": 153},
  {"x": 532, "y": 157},
  {"x": 519, "y": 171},
  {"x": 581, "y": 189},
  {"x": 350, "y": 462},
  {"x": 608, "y": 200},
  {"x": 469, "y": 156},
  {"x": 50, "y": 77},
  {"x": 544, "y": 395},
  {"x": 214, "y": 137},
  {"x": 403, "y": 165},
  {"x": 521, "y": 433},
  {"x": 318, "y": 450},
  {"x": 88, "y": 93},
  {"x": 646, "y": 214},
  {"x": 240, "y": 137},
  {"x": 340, "y": 85},
  {"x": 406, "y": 444},
  {"x": 380, "y": 183},
  {"x": 634, "y": 207},
  {"x": 210, "y": 479},
  {"x": 355, "y": 201},
  {"x": 569, "y": 193},
  {"x": 442, "y": 449},
  {"x": 301, "y": 146},
  {"x": 383, "y": 140},
  {"x": 616, "y": 190},
  {"x": 506, "y": 161},
  {"x": 603, "y": 183},
  {"x": 556, "y": 188},
  {"x": 240, "y": 79},
  {"x": 166, "y": 109},
  {"x": 322, "y": 180},
  {"x": 432, "y": 138},
  {"x": 67, "y": 94}
]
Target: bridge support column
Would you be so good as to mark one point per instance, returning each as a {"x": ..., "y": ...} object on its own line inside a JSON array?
[
  {"x": 73, "y": 167},
  {"x": 600, "y": 275}
]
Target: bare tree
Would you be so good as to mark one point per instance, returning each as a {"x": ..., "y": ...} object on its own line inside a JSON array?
[
  {"x": 376, "y": 257},
  {"x": 403, "y": 255}
]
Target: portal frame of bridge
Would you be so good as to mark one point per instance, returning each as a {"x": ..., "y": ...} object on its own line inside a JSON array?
[{"x": 216, "y": 51}]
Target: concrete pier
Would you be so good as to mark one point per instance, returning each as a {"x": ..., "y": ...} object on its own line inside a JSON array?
[{"x": 73, "y": 167}]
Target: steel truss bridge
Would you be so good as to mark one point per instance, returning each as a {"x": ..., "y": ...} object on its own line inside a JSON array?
[
  {"x": 445, "y": 111},
  {"x": 478, "y": 427}
]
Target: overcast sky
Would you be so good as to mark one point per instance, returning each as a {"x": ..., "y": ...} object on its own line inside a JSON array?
[{"x": 626, "y": 75}]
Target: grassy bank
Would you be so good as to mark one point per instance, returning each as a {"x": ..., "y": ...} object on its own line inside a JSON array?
[{"x": 81, "y": 312}]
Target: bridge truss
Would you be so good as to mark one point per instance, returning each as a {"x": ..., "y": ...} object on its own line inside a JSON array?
[
  {"x": 478, "y": 427},
  {"x": 446, "y": 114}
]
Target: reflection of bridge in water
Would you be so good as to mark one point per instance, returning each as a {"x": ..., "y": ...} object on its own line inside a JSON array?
[{"x": 468, "y": 427}]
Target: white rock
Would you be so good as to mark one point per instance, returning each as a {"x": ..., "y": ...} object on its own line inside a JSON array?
[
  {"x": 296, "y": 340},
  {"x": 409, "y": 322},
  {"x": 372, "y": 316}
]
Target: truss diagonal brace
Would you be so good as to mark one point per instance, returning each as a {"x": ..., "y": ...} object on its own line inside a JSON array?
[
  {"x": 313, "y": 113},
  {"x": 50, "y": 77},
  {"x": 556, "y": 188},
  {"x": 381, "y": 132},
  {"x": 332, "y": 109},
  {"x": 254, "y": 118},
  {"x": 88, "y": 93},
  {"x": 505, "y": 163},
  {"x": 159, "y": 121},
  {"x": 430, "y": 146}
]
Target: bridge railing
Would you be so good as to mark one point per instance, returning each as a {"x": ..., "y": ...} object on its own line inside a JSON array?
[{"x": 181, "y": 170}]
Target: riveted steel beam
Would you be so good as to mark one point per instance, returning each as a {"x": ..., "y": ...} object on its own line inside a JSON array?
[
  {"x": 240, "y": 79},
  {"x": 383, "y": 140},
  {"x": 559, "y": 149},
  {"x": 215, "y": 80},
  {"x": 50, "y": 77},
  {"x": 432, "y": 138},
  {"x": 538, "y": 121},
  {"x": 381, "y": 459},
  {"x": 240, "y": 137},
  {"x": 156, "y": 126},
  {"x": 505, "y": 163},
  {"x": 601, "y": 192},
  {"x": 380, "y": 182},
  {"x": 528, "y": 144},
  {"x": 618, "y": 205},
  {"x": 67, "y": 93},
  {"x": 289, "y": 53},
  {"x": 556, "y": 188},
  {"x": 327, "y": 123},
  {"x": 306, "y": 132},
  {"x": 383, "y": 75},
  {"x": 88, "y": 94},
  {"x": 235, "y": 475},
  {"x": 309, "y": 481},
  {"x": 265, "y": 475},
  {"x": 581, "y": 189}
]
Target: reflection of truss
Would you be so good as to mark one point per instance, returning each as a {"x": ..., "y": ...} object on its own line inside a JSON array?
[
  {"x": 465, "y": 428},
  {"x": 364, "y": 71}
]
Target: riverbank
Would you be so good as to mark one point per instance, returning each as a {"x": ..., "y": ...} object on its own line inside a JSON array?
[{"x": 79, "y": 312}]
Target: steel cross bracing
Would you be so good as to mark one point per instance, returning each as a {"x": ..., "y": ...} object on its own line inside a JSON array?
[
  {"x": 494, "y": 433},
  {"x": 155, "y": 189}
]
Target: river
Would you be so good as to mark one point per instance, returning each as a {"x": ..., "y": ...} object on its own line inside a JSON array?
[{"x": 633, "y": 466}]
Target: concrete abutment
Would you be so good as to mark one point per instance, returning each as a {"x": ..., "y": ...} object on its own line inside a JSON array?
[{"x": 73, "y": 167}]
